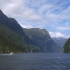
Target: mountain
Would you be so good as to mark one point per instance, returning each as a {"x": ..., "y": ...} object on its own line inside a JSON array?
[
  {"x": 12, "y": 36},
  {"x": 42, "y": 39},
  {"x": 66, "y": 47},
  {"x": 7, "y": 46},
  {"x": 11, "y": 23},
  {"x": 7, "y": 41},
  {"x": 60, "y": 41}
]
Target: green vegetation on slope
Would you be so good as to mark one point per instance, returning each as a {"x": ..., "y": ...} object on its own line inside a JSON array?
[
  {"x": 7, "y": 46},
  {"x": 12, "y": 41},
  {"x": 42, "y": 39},
  {"x": 66, "y": 47},
  {"x": 13, "y": 36}
]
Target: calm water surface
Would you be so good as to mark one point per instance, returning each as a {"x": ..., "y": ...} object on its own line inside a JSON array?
[{"x": 35, "y": 61}]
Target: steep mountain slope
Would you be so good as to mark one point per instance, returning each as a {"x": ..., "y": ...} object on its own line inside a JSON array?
[
  {"x": 11, "y": 23},
  {"x": 66, "y": 47},
  {"x": 13, "y": 32},
  {"x": 6, "y": 44},
  {"x": 16, "y": 39},
  {"x": 41, "y": 38}
]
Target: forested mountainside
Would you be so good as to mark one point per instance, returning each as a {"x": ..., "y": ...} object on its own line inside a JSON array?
[
  {"x": 66, "y": 47},
  {"x": 42, "y": 39},
  {"x": 12, "y": 32},
  {"x": 14, "y": 38}
]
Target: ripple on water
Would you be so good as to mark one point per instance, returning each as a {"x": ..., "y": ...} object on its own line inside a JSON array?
[{"x": 44, "y": 61}]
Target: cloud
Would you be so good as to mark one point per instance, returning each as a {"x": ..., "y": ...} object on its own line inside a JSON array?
[
  {"x": 51, "y": 14},
  {"x": 56, "y": 11},
  {"x": 57, "y": 35},
  {"x": 18, "y": 9},
  {"x": 63, "y": 28},
  {"x": 36, "y": 10},
  {"x": 26, "y": 26},
  {"x": 65, "y": 14},
  {"x": 30, "y": 14},
  {"x": 44, "y": 8},
  {"x": 12, "y": 7}
]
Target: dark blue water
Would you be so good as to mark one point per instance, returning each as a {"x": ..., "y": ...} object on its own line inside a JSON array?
[{"x": 35, "y": 61}]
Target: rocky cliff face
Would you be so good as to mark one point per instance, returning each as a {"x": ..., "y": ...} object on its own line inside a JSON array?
[{"x": 42, "y": 39}]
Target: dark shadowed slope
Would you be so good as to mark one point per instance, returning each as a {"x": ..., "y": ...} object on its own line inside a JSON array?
[
  {"x": 42, "y": 39},
  {"x": 14, "y": 32}
]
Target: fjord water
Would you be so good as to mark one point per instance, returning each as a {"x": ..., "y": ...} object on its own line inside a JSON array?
[{"x": 35, "y": 61}]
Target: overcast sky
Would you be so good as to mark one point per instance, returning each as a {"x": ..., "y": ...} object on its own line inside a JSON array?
[{"x": 53, "y": 15}]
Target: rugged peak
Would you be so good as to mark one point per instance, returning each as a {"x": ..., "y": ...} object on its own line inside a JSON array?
[
  {"x": 38, "y": 31},
  {"x": 42, "y": 39}
]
